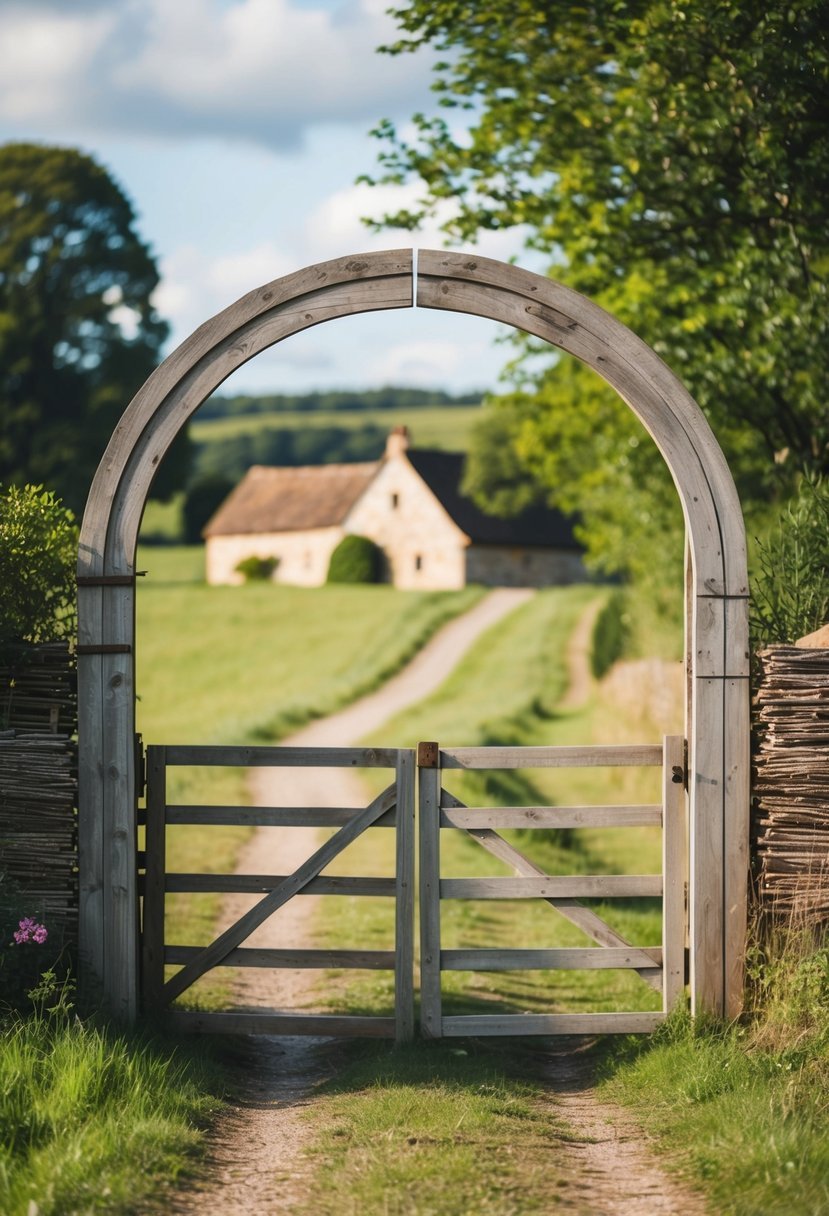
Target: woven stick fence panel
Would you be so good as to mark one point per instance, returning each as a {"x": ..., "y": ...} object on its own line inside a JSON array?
[
  {"x": 791, "y": 780},
  {"x": 39, "y": 787}
]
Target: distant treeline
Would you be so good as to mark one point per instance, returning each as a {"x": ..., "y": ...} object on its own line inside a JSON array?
[
  {"x": 272, "y": 446},
  {"x": 389, "y": 398}
]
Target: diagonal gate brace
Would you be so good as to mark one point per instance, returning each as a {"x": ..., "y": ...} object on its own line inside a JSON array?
[
  {"x": 213, "y": 954},
  {"x": 571, "y": 909}
]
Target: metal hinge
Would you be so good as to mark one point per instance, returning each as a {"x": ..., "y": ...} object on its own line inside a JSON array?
[{"x": 427, "y": 755}]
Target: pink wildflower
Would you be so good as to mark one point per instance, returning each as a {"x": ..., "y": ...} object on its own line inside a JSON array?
[{"x": 30, "y": 931}]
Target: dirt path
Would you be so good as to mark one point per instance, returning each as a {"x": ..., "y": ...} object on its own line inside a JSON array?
[{"x": 257, "y": 1164}]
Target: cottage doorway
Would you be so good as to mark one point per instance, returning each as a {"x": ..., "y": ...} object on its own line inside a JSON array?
[{"x": 717, "y": 728}]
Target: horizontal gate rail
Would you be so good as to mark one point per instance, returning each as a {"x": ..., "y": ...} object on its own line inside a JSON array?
[
  {"x": 392, "y": 808},
  {"x": 660, "y": 966}
]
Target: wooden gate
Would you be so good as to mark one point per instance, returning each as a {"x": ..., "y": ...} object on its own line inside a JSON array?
[
  {"x": 661, "y": 965},
  {"x": 393, "y": 808}
]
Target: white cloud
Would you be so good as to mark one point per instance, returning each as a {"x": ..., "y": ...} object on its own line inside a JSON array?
[{"x": 260, "y": 70}]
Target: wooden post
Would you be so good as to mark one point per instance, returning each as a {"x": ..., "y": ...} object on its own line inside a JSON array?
[
  {"x": 428, "y": 759},
  {"x": 154, "y": 881},
  {"x": 404, "y": 899},
  {"x": 673, "y": 871}
]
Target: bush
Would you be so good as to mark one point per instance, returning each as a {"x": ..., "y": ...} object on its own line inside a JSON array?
[
  {"x": 38, "y": 556},
  {"x": 790, "y": 592},
  {"x": 356, "y": 559},
  {"x": 257, "y": 569},
  {"x": 611, "y": 634}
]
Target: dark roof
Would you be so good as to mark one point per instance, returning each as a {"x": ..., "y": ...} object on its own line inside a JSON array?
[
  {"x": 291, "y": 499},
  {"x": 536, "y": 527}
]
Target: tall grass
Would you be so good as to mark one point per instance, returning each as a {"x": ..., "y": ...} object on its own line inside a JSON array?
[{"x": 90, "y": 1120}]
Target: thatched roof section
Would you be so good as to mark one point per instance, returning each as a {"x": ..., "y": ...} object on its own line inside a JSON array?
[{"x": 291, "y": 499}]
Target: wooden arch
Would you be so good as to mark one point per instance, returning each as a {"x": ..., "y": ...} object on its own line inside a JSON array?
[{"x": 716, "y": 591}]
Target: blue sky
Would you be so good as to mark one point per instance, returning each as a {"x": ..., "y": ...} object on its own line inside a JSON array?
[{"x": 237, "y": 128}]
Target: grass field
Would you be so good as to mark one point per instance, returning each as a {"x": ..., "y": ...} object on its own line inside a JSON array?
[{"x": 440, "y": 426}]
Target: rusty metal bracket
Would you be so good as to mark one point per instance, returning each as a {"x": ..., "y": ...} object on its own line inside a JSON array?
[
  {"x": 105, "y": 648},
  {"x": 427, "y": 755}
]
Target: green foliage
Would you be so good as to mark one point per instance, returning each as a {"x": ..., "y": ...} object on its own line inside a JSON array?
[
  {"x": 38, "y": 556},
  {"x": 91, "y": 1121},
  {"x": 672, "y": 162},
  {"x": 203, "y": 497},
  {"x": 356, "y": 559},
  {"x": 329, "y": 400},
  {"x": 232, "y": 454},
  {"x": 611, "y": 634},
  {"x": 257, "y": 569},
  {"x": 78, "y": 332},
  {"x": 790, "y": 591}
]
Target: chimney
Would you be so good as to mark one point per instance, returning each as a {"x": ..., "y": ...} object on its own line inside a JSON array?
[{"x": 397, "y": 442}]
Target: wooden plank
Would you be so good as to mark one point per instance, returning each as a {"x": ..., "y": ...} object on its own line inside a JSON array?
[
  {"x": 674, "y": 870},
  {"x": 585, "y": 918},
  {"x": 736, "y": 840},
  {"x": 706, "y": 864},
  {"x": 567, "y": 886},
  {"x": 593, "y": 756},
  {"x": 152, "y": 938},
  {"x": 567, "y": 959},
  {"x": 213, "y": 954},
  {"x": 199, "y": 755},
  {"x": 321, "y": 1025},
  {"x": 404, "y": 899},
  {"x": 271, "y": 816},
  {"x": 90, "y": 803},
  {"x": 430, "y": 993},
  {"x": 552, "y": 817},
  {"x": 520, "y": 1024},
  {"x": 246, "y": 956},
  {"x": 254, "y": 884}
]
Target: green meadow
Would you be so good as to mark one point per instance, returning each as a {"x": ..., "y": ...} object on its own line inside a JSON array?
[{"x": 440, "y": 426}]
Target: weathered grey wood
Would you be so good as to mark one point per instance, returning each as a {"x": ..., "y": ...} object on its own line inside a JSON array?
[
  {"x": 253, "y": 884},
  {"x": 120, "y": 907},
  {"x": 584, "y": 918},
  {"x": 674, "y": 870},
  {"x": 404, "y": 898},
  {"x": 522, "y": 1024},
  {"x": 430, "y": 994},
  {"x": 592, "y": 886},
  {"x": 270, "y": 816},
  {"x": 213, "y": 954},
  {"x": 152, "y": 937},
  {"x": 247, "y": 956},
  {"x": 736, "y": 840},
  {"x": 609, "y": 756},
  {"x": 706, "y": 910},
  {"x": 321, "y": 1025},
  {"x": 566, "y": 959},
  {"x": 92, "y": 875},
  {"x": 552, "y": 817},
  {"x": 282, "y": 757}
]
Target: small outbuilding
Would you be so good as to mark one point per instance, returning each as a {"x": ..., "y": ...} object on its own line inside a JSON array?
[{"x": 409, "y": 503}]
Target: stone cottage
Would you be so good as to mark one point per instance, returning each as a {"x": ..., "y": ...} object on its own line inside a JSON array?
[{"x": 409, "y": 503}]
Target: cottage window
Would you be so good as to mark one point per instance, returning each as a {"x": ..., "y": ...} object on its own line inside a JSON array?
[
  {"x": 395, "y": 501},
  {"x": 418, "y": 562}
]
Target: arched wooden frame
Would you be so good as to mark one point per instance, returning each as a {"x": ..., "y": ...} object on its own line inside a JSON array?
[{"x": 716, "y": 591}]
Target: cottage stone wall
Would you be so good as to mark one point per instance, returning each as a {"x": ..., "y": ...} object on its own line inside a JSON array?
[
  {"x": 303, "y": 556},
  {"x": 500, "y": 566},
  {"x": 424, "y": 549}
]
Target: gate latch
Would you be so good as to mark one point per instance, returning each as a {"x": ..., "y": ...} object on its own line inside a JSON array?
[{"x": 427, "y": 755}]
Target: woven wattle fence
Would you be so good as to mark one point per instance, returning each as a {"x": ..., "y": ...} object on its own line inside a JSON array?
[
  {"x": 791, "y": 781},
  {"x": 39, "y": 789}
]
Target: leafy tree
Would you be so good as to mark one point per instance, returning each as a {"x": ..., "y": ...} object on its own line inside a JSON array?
[
  {"x": 204, "y": 496},
  {"x": 790, "y": 590},
  {"x": 38, "y": 557},
  {"x": 78, "y": 332},
  {"x": 672, "y": 162}
]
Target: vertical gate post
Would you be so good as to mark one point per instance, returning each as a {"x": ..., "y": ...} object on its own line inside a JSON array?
[
  {"x": 404, "y": 897},
  {"x": 428, "y": 763},
  {"x": 673, "y": 870},
  {"x": 154, "y": 880}
]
